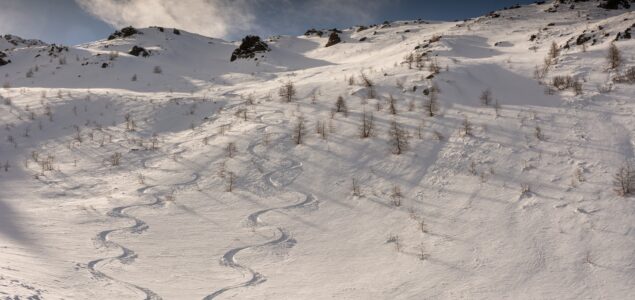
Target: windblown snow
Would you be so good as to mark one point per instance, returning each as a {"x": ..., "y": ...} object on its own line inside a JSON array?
[{"x": 182, "y": 175}]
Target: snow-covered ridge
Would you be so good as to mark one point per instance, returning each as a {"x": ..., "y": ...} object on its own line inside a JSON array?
[{"x": 414, "y": 160}]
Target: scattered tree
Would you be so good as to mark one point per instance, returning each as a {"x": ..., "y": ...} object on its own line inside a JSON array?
[
  {"x": 398, "y": 138},
  {"x": 340, "y": 106},
  {"x": 287, "y": 92},
  {"x": 368, "y": 125},
  {"x": 298, "y": 132},
  {"x": 614, "y": 57},
  {"x": 486, "y": 97}
]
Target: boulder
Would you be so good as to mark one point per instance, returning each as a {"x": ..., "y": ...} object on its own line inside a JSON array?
[
  {"x": 334, "y": 38},
  {"x": 136, "y": 51},
  {"x": 250, "y": 45}
]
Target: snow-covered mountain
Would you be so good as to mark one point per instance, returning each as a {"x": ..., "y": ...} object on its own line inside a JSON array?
[{"x": 472, "y": 159}]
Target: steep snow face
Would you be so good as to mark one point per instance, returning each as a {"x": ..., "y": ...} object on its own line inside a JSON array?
[{"x": 183, "y": 175}]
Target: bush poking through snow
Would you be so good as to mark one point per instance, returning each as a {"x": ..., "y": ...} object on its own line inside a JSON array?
[
  {"x": 466, "y": 127},
  {"x": 115, "y": 159},
  {"x": 396, "y": 196},
  {"x": 627, "y": 77},
  {"x": 562, "y": 83},
  {"x": 231, "y": 149},
  {"x": 624, "y": 180},
  {"x": 394, "y": 239},
  {"x": 357, "y": 190}
]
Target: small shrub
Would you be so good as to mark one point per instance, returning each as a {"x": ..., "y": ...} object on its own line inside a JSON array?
[{"x": 614, "y": 57}]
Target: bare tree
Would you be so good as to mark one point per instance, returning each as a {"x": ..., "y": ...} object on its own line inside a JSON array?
[
  {"x": 398, "y": 138},
  {"x": 231, "y": 181},
  {"x": 466, "y": 127},
  {"x": 554, "y": 51},
  {"x": 422, "y": 252},
  {"x": 299, "y": 131},
  {"x": 391, "y": 105},
  {"x": 130, "y": 123},
  {"x": 624, "y": 179},
  {"x": 340, "y": 106},
  {"x": 431, "y": 105},
  {"x": 320, "y": 128},
  {"x": 614, "y": 57},
  {"x": 287, "y": 92},
  {"x": 497, "y": 108},
  {"x": 357, "y": 191},
  {"x": 368, "y": 125},
  {"x": 370, "y": 85},
  {"x": 486, "y": 97},
  {"x": 366, "y": 81}
]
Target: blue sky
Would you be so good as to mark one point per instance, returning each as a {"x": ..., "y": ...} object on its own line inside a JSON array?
[{"x": 77, "y": 21}]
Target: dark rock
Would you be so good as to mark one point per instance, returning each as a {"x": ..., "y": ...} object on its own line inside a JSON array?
[
  {"x": 136, "y": 51},
  {"x": 615, "y": 4},
  {"x": 3, "y": 61},
  {"x": 124, "y": 33},
  {"x": 314, "y": 32},
  {"x": 583, "y": 38},
  {"x": 160, "y": 28},
  {"x": 430, "y": 76},
  {"x": 533, "y": 37},
  {"x": 334, "y": 38},
  {"x": 250, "y": 45},
  {"x": 361, "y": 28},
  {"x": 176, "y": 31},
  {"x": 363, "y": 39},
  {"x": 104, "y": 65}
]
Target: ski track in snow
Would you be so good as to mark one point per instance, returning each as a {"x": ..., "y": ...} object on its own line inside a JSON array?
[
  {"x": 229, "y": 258},
  {"x": 128, "y": 255}
]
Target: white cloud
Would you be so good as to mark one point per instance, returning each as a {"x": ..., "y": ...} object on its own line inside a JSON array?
[
  {"x": 231, "y": 18},
  {"x": 215, "y": 18}
]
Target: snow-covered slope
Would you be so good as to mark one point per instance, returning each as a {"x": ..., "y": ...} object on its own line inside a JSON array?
[{"x": 120, "y": 189}]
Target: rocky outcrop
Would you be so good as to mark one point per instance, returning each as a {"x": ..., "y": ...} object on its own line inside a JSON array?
[
  {"x": 250, "y": 45},
  {"x": 136, "y": 51},
  {"x": 334, "y": 38},
  {"x": 616, "y": 4},
  {"x": 3, "y": 60},
  {"x": 124, "y": 33}
]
